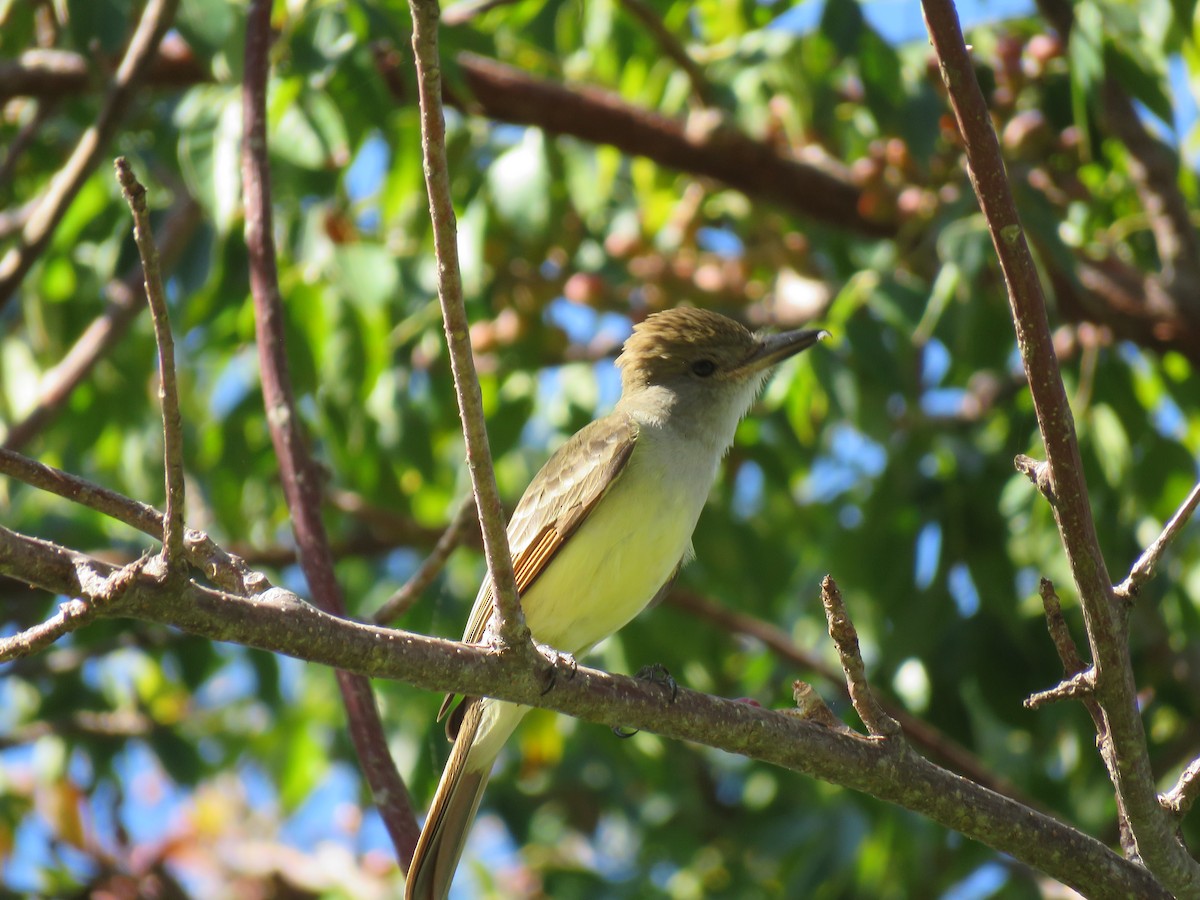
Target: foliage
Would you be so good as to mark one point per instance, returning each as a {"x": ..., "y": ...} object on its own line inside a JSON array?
[{"x": 883, "y": 457}]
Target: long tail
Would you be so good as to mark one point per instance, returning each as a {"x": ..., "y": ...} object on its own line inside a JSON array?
[{"x": 486, "y": 725}]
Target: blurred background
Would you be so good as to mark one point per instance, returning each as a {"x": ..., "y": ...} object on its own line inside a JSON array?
[{"x": 781, "y": 163}]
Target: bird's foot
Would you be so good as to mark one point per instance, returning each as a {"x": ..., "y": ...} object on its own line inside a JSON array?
[
  {"x": 556, "y": 658},
  {"x": 655, "y": 674}
]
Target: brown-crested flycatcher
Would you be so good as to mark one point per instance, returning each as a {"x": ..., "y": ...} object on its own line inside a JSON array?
[{"x": 602, "y": 529}]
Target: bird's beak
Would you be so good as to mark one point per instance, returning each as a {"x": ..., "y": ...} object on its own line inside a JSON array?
[{"x": 775, "y": 348}]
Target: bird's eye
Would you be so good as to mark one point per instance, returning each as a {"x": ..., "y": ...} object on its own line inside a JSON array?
[{"x": 703, "y": 367}]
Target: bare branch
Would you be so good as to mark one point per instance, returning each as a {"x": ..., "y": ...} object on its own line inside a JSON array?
[
  {"x": 280, "y": 622},
  {"x": 513, "y": 632},
  {"x": 1180, "y": 799},
  {"x": 168, "y": 390},
  {"x": 301, "y": 480},
  {"x": 1079, "y": 686},
  {"x": 919, "y": 732},
  {"x": 119, "y": 725},
  {"x": 40, "y": 225},
  {"x": 403, "y": 599},
  {"x": 1104, "y": 616},
  {"x": 133, "y": 513},
  {"x": 753, "y": 167},
  {"x": 24, "y": 138},
  {"x": 845, "y": 638},
  {"x": 223, "y": 569},
  {"x": 1060, "y": 634},
  {"x": 1154, "y": 169},
  {"x": 101, "y": 590},
  {"x": 52, "y": 74},
  {"x": 1143, "y": 569}
]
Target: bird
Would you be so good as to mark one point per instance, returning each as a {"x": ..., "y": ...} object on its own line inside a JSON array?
[{"x": 602, "y": 530}]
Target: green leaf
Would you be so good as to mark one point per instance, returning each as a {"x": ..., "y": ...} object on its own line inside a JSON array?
[
  {"x": 177, "y": 755},
  {"x": 101, "y": 23},
  {"x": 210, "y": 134},
  {"x": 1132, "y": 72}
]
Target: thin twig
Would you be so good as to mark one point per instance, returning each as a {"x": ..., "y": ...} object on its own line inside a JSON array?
[
  {"x": 1180, "y": 799},
  {"x": 71, "y": 615},
  {"x": 301, "y": 478},
  {"x": 845, "y": 639},
  {"x": 74, "y": 614},
  {"x": 1060, "y": 634},
  {"x": 702, "y": 90},
  {"x": 513, "y": 632},
  {"x": 1154, "y": 170},
  {"x": 133, "y": 513},
  {"x": 223, "y": 569},
  {"x": 403, "y": 599},
  {"x": 918, "y": 732},
  {"x": 24, "y": 138},
  {"x": 125, "y": 301},
  {"x": 116, "y": 725},
  {"x": 1104, "y": 614},
  {"x": 168, "y": 389},
  {"x": 1143, "y": 569},
  {"x": 38, "y": 228},
  {"x": 1080, "y": 686}
]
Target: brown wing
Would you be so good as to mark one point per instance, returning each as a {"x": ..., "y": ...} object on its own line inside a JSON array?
[{"x": 553, "y": 507}]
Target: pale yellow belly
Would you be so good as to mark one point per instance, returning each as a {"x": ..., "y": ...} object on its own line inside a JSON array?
[{"x": 616, "y": 562}]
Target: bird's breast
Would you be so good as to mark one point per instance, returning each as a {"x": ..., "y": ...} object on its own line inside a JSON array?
[{"x": 625, "y": 550}]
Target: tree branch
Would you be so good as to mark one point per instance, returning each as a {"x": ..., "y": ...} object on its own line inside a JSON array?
[
  {"x": 168, "y": 390},
  {"x": 224, "y": 569},
  {"x": 513, "y": 631},
  {"x": 1154, "y": 170},
  {"x": 40, "y": 225},
  {"x": 845, "y": 639},
  {"x": 280, "y": 622},
  {"x": 916, "y": 730},
  {"x": 1180, "y": 799},
  {"x": 410, "y": 592},
  {"x": 1143, "y": 569},
  {"x": 301, "y": 480},
  {"x": 98, "y": 591},
  {"x": 1115, "y": 689},
  {"x": 507, "y": 94}
]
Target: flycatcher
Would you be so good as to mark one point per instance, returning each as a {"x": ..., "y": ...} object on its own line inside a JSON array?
[{"x": 603, "y": 528}]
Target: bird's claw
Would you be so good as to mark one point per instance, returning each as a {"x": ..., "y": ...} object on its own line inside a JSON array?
[
  {"x": 556, "y": 658},
  {"x": 657, "y": 673}
]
